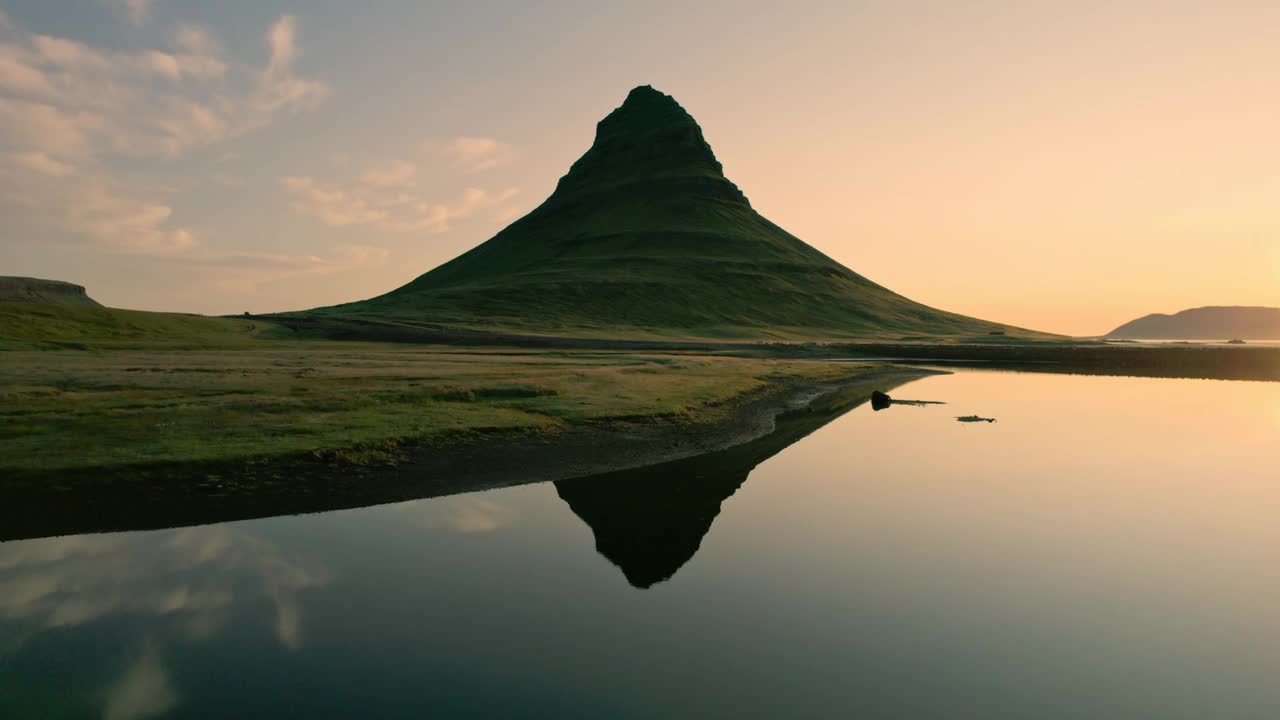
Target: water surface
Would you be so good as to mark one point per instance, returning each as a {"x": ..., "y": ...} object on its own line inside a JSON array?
[
  {"x": 1107, "y": 548},
  {"x": 1224, "y": 342}
]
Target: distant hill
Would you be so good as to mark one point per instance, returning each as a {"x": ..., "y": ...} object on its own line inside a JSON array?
[
  {"x": 43, "y": 292},
  {"x": 26, "y": 326},
  {"x": 645, "y": 236},
  {"x": 1206, "y": 323},
  {"x": 40, "y": 314}
]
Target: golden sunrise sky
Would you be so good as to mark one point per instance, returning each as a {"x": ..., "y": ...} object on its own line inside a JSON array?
[{"x": 1060, "y": 166}]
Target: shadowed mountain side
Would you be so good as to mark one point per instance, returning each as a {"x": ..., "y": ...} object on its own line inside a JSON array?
[
  {"x": 651, "y": 521},
  {"x": 646, "y": 237}
]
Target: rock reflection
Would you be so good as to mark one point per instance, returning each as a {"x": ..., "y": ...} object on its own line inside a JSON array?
[{"x": 651, "y": 521}]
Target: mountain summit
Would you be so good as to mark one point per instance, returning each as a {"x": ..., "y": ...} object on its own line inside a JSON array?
[
  {"x": 650, "y": 138},
  {"x": 646, "y": 237}
]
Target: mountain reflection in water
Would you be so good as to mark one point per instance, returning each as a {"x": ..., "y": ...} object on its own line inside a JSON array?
[
  {"x": 651, "y": 521},
  {"x": 649, "y": 526}
]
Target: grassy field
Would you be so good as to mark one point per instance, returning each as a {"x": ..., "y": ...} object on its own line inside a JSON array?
[
  {"x": 352, "y": 402},
  {"x": 36, "y": 327}
]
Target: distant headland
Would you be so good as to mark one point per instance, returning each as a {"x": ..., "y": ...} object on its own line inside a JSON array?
[
  {"x": 43, "y": 292},
  {"x": 1205, "y": 323}
]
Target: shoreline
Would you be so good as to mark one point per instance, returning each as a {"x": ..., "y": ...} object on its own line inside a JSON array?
[
  {"x": 1203, "y": 362},
  {"x": 1046, "y": 354},
  {"x": 96, "y": 500}
]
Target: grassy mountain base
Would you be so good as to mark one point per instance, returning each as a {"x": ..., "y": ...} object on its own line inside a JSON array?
[{"x": 727, "y": 275}]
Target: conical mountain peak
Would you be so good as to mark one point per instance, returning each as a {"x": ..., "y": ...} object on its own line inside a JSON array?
[
  {"x": 645, "y": 237},
  {"x": 648, "y": 138},
  {"x": 647, "y": 106}
]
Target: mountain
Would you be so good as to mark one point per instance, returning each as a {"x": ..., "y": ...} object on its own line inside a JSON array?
[
  {"x": 43, "y": 292},
  {"x": 1205, "y": 323},
  {"x": 645, "y": 236}
]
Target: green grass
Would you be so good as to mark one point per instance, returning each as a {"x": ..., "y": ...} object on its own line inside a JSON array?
[
  {"x": 645, "y": 237},
  {"x": 348, "y": 401},
  {"x": 27, "y": 326}
]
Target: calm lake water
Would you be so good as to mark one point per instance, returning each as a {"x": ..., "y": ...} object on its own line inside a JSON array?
[
  {"x": 1109, "y": 548},
  {"x": 1214, "y": 343}
]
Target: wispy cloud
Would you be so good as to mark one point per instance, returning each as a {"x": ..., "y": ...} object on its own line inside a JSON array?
[
  {"x": 136, "y": 12},
  {"x": 68, "y": 111},
  {"x": 64, "y": 97},
  {"x": 278, "y": 88},
  {"x": 472, "y": 154},
  {"x": 41, "y": 164},
  {"x": 510, "y": 214},
  {"x": 89, "y": 205},
  {"x": 245, "y": 274},
  {"x": 116, "y": 215},
  {"x": 275, "y": 266},
  {"x": 386, "y": 197}
]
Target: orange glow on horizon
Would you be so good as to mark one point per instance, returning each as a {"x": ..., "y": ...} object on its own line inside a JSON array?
[{"x": 1061, "y": 167}]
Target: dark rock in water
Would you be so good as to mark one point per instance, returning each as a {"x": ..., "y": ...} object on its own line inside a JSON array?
[
  {"x": 880, "y": 401},
  {"x": 43, "y": 292},
  {"x": 974, "y": 418},
  {"x": 1235, "y": 341}
]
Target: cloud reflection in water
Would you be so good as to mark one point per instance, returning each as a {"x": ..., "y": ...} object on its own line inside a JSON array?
[{"x": 194, "y": 577}]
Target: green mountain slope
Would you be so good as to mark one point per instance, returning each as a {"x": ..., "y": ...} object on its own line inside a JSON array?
[{"x": 646, "y": 237}]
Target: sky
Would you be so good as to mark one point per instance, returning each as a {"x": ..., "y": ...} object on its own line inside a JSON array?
[{"x": 1060, "y": 166}]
